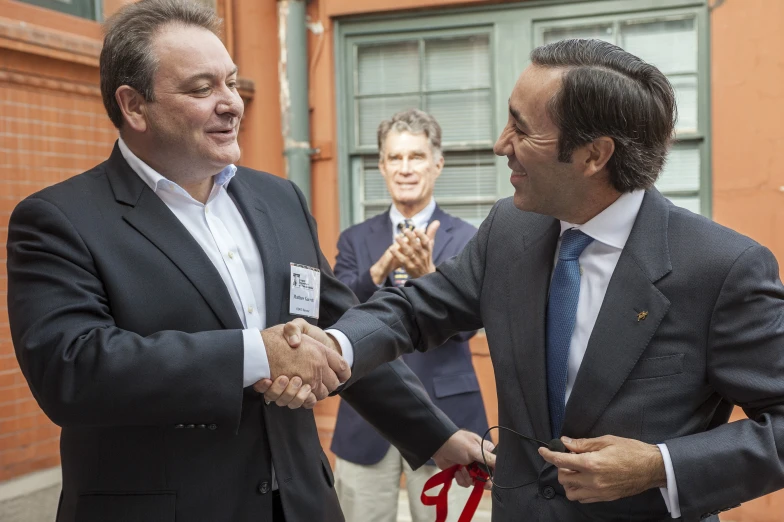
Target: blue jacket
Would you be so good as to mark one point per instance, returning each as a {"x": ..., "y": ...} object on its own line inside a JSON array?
[{"x": 446, "y": 372}]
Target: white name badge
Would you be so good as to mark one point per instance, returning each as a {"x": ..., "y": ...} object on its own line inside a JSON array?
[{"x": 305, "y": 291}]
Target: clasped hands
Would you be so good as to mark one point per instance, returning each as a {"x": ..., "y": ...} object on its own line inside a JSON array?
[{"x": 306, "y": 365}]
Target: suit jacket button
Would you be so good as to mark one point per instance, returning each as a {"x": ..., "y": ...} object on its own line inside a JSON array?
[
  {"x": 264, "y": 488},
  {"x": 190, "y": 426},
  {"x": 213, "y": 426},
  {"x": 548, "y": 492},
  {"x": 179, "y": 426},
  {"x": 201, "y": 426}
]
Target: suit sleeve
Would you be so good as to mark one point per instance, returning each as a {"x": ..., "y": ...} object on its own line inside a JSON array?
[
  {"x": 423, "y": 314},
  {"x": 741, "y": 460},
  {"x": 391, "y": 398},
  {"x": 347, "y": 270},
  {"x": 84, "y": 370}
]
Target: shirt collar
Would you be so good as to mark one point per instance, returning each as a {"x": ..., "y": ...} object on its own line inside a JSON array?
[
  {"x": 157, "y": 181},
  {"x": 613, "y": 225},
  {"x": 420, "y": 219}
]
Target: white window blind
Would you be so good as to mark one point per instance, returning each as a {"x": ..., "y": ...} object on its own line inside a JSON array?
[
  {"x": 670, "y": 43},
  {"x": 448, "y": 76}
]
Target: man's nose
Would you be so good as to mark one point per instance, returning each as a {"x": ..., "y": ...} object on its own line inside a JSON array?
[
  {"x": 503, "y": 145},
  {"x": 406, "y": 167},
  {"x": 231, "y": 103}
]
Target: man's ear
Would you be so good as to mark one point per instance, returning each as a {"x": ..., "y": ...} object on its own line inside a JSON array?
[
  {"x": 596, "y": 155},
  {"x": 133, "y": 105}
]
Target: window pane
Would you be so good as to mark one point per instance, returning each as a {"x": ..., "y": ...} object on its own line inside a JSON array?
[
  {"x": 375, "y": 188},
  {"x": 372, "y": 111},
  {"x": 463, "y": 116},
  {"x": 82, "y": 8},
  {"x": 374, "y": 211},
  {"x": 388, "y": 68},
  {"x": 686, "y": 98},
  {"x": 689, "y": 203},
  {"x": 457, "y": 63},
  {"x": 670, "y": 45},
  {"x": 599, "y": 31},
  {"x": 466, "y": 175},
  {"x": 682, "y": 170},
  {"x": 474, "y": 214}
]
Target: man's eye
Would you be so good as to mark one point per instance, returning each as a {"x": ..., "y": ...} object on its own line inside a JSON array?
[
  {"x": 518, "y": 131},
  {"x": 203, "y": 90},
  {"x": 232, "y": 84}
]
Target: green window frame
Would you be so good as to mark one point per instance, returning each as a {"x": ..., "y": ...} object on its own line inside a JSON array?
[
  {"x": 445, "y": 72},
  {"x": 90, "y": 9},
  {"x": 513, "y": 31}
]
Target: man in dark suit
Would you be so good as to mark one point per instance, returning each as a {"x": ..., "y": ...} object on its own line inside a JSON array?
[
  {"x": 615, "y": 320},
  {"x": 368, "y": 469},
  {"x": 139, "y": 293}
]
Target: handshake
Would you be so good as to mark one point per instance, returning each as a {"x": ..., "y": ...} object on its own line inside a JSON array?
[{"x": 306, "y": 365}]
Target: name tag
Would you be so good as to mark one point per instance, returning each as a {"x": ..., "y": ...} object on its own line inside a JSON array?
[{"x": 305, "y": 291}]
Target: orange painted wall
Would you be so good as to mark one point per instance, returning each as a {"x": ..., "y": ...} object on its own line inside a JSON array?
[{"x": 747, "y": 89}]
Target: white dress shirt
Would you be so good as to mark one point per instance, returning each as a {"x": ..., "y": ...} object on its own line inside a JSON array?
[
  {"x": 610, "y": 229},
  {"x": 222, "y": 233},
  {"x": 420, "y": 219}
]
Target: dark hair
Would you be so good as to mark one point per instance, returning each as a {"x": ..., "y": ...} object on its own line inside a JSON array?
[
  {"x": 127, "y": 57},
  {"x": 606, "y": 91},
  {"x": 415, "y": 121}
]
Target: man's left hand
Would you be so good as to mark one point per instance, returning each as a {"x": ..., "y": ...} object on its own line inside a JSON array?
[
  {"x": 607, "y": 468},
  {"x": 464, "y": 448}
]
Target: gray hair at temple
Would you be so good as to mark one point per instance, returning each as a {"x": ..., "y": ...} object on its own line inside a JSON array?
[
  {"x": 127, "y": 57},
  {"x": 606, "y": 91},
  {"x": 414, "y": 121}
]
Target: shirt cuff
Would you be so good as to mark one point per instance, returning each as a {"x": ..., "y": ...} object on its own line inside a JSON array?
[
  {"x": 345, "y": 345},
  {"x": 670, "y": 493},
  {"x": 255, "y": 362}
]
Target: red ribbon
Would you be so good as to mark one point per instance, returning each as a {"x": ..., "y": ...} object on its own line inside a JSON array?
[{"x": 445, "y": 477}]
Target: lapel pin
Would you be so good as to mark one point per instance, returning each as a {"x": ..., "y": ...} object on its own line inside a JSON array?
[{"x": 642, "y": 315}]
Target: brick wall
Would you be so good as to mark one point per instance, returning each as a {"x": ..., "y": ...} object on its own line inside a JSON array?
[
  {"x": 46, "y": 136},
  {"x": 52, "y": 126}
]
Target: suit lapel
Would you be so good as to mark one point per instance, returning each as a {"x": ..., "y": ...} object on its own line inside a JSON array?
[
  {"x": 152, "y": 218},
  {"x": 257, "y": 217},
  {"x": 443, "y": 234},
  {"x": 531, "y": 262},
  {"x": 379, "y": 238},
  {"x": 619, "y": 336}
]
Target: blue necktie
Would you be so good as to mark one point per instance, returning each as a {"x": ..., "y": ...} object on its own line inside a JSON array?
[
  {"x": 561, "y": 312},
  {"x": 400, "y": 276}
]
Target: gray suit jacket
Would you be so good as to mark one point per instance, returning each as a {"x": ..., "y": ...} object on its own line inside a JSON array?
[
  {"x": 130, "y": 341},
  {"x": 713, "y": 335}
]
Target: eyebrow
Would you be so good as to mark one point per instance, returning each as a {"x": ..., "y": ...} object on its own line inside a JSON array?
[
  {"x": 209, "y": 76},
  {"x": 518, "y": 118}
]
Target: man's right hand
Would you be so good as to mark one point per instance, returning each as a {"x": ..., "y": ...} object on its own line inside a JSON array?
[
  {"x": 292, "y": 355},
  {"x": 386, "y": 264},
  {"x": 290, "y": 392}
]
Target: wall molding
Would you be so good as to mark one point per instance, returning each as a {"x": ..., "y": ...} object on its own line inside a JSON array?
[
  {"x": 42, "y": 41},
  {"x": 53, "y": 84}
]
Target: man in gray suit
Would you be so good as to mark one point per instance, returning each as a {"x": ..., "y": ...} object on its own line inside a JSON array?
[{"x": 615, "y": 320}]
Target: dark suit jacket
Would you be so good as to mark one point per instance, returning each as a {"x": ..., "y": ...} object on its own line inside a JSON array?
[
  {"x": 447, "y": 371},
  {"x": 713, "y": 335},
  {"x": 129, "y": 341}
]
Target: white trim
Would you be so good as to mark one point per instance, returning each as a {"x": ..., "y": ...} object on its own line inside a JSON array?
[{"x": 30, "y": 483}]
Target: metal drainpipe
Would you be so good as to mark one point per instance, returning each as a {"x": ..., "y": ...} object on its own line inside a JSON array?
[{"x": 294, "y": 105}]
